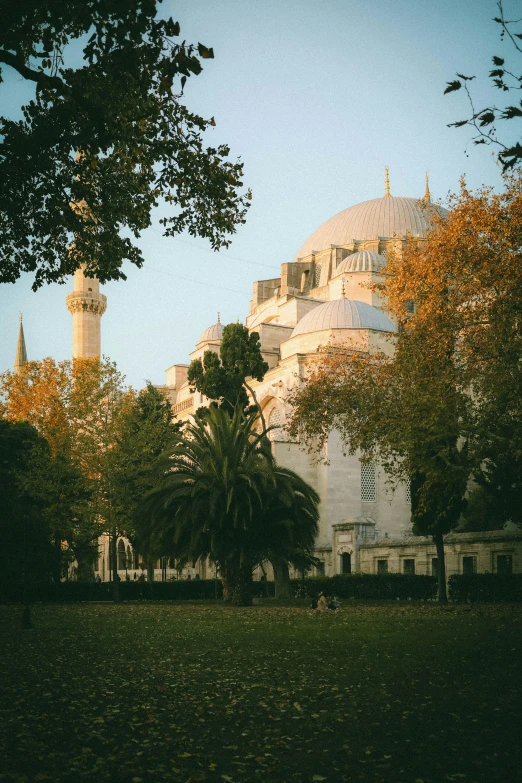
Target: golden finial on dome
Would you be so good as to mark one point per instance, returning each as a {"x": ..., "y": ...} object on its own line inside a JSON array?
[
  {"x": 427, "y": 194},
  {"x": 343, "y": 292},
  {"x": 219, "y": 318},
  {"x": 386, "y": 183}
]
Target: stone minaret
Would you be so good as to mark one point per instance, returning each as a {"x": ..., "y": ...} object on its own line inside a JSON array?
[
  {"x": 21, "y": 352},
  {"x": 87, "y": 306}
]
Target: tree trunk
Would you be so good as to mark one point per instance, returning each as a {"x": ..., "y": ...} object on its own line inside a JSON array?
[
  {"x": 282, "y": 579},
  {"x": 115, "y": 576},
  {"x": 237, "y": 584},
  {"x": 57, "y": 559},
  {"x": 442, "y": 595}
]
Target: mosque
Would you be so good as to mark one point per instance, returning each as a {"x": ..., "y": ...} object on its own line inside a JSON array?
[{"x": 323, "y": 296}]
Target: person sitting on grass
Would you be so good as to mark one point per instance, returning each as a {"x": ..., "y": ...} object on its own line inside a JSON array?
[
  {"x": 334, "y": 603},
  {"x": 321, "y": 602}
]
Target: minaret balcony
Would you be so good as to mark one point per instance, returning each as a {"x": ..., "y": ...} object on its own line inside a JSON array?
[{"x": 86, "y": 301}]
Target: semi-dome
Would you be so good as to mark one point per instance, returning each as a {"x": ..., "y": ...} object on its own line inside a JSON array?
[
  {"x": 343, "y": 314},
  {"x": 213, "y": 333},
  {"x": 363, "y": 261},
  {"x": 380, "y": 217}
]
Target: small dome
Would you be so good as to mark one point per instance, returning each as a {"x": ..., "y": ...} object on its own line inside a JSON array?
[
  {"x": 343, "y": 314},
  {"x": 212, "y": 334},
  {"x": 381, "y": 217},
  {"x": 363, "y": 261}
]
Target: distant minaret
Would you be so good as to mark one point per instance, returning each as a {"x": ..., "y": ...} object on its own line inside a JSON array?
[
  {"x": 21, "y": 353},
  {"x": 87, "y": 306}
]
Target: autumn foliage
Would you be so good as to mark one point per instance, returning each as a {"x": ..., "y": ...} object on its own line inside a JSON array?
[
  {"x": 76, "y": 407},
  {"x": 444, "y": 403}
]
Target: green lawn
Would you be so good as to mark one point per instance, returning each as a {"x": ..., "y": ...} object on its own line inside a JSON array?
[{"x": 191, "y": 692}]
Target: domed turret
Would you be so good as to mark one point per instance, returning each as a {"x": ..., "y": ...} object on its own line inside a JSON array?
[
  {"x": 343, "y": 314},
  {"x": 214, "y": 333},
  {"x": 363, "y": 261}
]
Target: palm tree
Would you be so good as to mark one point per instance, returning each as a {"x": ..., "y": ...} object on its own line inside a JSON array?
[
  {"x": 291, "y": 514},
  {"x": 221, "y": 496}
]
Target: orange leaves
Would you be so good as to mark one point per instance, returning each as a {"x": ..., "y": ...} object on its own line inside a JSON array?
[
  {"x": 70, "y": 403},
  {"x": 38, "y": 395}
]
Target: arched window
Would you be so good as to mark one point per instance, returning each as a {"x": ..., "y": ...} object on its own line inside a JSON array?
[
  {"x": 275, "y": 421},
  {"x": 121, "y": 556},
  {"x": 129, "y": 557}
]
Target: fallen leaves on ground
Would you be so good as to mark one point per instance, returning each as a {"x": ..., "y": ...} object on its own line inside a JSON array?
[{"x": 197, "y": 692}]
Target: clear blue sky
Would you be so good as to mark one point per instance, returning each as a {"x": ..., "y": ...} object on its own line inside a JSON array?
[{"x": 316, "y": 98}]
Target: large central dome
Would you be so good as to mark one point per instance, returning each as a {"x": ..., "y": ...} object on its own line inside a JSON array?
[{"x": 381, "y": 217}]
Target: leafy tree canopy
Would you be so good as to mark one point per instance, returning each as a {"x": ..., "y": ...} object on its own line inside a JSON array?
[
  {"x": 24, "y": 530},
  {"x": 466, "y": 281},
  {"x": 444, "y": 402},
  {"x": 76, "y": 406},
  {"x": 104, "y": 140},
  {"x": 223, "y": 376},
  {"x": 222, "y": 496},
  {"x": 485, "y": 121},
  {"x": 145, "y": 430}
]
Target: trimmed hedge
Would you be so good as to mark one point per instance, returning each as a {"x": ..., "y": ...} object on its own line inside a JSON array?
[
  {"x": 369, "y": 586},
  {"x": 490, "y": 588},
  {"x": 362, "y": 586},
  {"x": 196, "y": 589}
]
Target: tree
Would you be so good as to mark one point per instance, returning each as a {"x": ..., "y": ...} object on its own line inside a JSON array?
[
  {"x": 145, "y": 430},
  {"x": 406, "y": 412},
  {"x": 224, "y": 377},
  {"x": 466, "y": 281},
  {"x": 446, "y": 404},
  {"x": 485, "y": 121},
  {"x": 219, "y": 487},
  {"x": 104, "y": 141},
  {"x": 482, "y": 512},
  {"x": 76, "y": 407},
  {"x": 25, "y": 536},
  {"x": 290, "y": 518}
]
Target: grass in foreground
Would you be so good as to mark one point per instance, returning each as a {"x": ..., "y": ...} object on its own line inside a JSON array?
[{"x": 192, "y": 692}]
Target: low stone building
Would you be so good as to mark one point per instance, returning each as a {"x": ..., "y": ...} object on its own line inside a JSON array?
[{"x": 493, "y": 551}]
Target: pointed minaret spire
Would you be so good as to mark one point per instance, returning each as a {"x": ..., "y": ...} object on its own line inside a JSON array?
[
  {"x": 427, "y": 194},
  {"x": 386, "y": 183},
  {"x": 21, "y": 352}
]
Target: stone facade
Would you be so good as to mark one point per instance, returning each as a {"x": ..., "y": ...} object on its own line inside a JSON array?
[{"x": 494, "y": 551}]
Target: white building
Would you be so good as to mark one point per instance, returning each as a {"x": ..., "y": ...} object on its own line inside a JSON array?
[{"x": 323, "y": 296}]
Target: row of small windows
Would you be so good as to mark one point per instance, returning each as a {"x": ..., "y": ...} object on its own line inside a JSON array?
[{"x": 504, "y": 565}]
